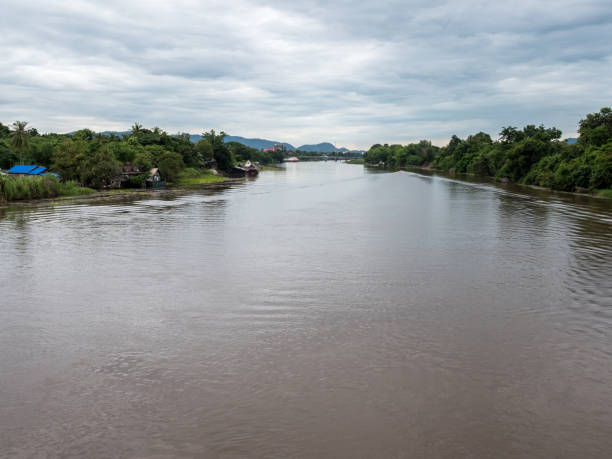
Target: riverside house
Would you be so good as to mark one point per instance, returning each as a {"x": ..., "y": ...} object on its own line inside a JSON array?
[
  {"x": 27, "y": 170},
  {"x": 30, "y": 170},
  {"x": 155, "y": 179}
]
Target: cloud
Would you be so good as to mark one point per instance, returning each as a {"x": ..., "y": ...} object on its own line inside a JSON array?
[{"x": 355, "y": 73}]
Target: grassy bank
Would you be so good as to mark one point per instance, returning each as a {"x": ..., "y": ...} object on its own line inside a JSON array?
[
  {"x": 194, "y": 177},
  {"x": 356, "y": 161},
  {"x": 71, "y": 188},
  {"x": 605, "y": 193},
  {"x": 23, "y": 188},
  {"x": 271, "y": 168},
  {"x": 29, "y": 188}
]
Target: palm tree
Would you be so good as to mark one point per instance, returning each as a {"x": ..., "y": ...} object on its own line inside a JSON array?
[
  {"x": 136, "y": 129},
  {"x": 20, "y": 138},
  {"x": 213, "y": 138}
]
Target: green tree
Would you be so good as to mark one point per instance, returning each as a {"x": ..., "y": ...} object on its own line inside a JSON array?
[
  {"x": 20, "y": 138},
  {"x": 136, "y": 129},
  {"x": 100, "y": 169},
  {"x": 243, "y": 152},
  {"x": 522, "y": 156},
  {"x": 84, "y": 134},
  {"x": 222, "y": 154},
  {"x": 41, "y": 150},
  {"x": 170, "y": 165},
  {"x": 5, "y": 132},
  {"x": 510, "y": 134},
  {"x": 125, "y": 151},
  {"x": 601, "y": 175},
  {"x": 144, "y": 161},
  {"x": 213, "y": 138},
  {"x": 480, "y": 165},
  {"x": 68, "y": 157},
  {"x": 596, "y": 128},
  {"x": 205, "y": 149},
  {"x": 7, "y": 156}
]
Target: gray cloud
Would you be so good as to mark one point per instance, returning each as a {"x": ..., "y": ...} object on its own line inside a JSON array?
[{"x": 351, "y": 72}]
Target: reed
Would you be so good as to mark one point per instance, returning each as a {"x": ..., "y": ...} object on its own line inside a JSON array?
[{"x": 22, "y": 188}]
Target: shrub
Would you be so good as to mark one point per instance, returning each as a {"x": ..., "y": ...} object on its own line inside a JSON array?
[{"x": 18, "y": 188}]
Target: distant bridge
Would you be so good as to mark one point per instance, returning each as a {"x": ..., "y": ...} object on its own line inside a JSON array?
[{"x": 323, "y": 158}]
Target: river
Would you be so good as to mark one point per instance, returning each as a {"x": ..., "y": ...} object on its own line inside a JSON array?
[{"x": 325, "y": 310}]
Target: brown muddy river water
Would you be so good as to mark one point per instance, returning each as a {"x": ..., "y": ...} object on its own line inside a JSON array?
[{"x": 321, "y": 311}]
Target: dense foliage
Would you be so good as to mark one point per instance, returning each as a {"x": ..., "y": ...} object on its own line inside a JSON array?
[
  {"x": 394, "y": 156},
  {"x": 95, "y": 160},
  {"x": 532, "y": 155},
  {"x": 243, "y": 153}
]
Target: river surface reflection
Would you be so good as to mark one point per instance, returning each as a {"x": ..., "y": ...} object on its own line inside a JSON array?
[{"x": 320, "y": 311}]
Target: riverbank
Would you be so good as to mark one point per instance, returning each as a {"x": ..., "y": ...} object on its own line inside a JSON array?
[
  {"x": 16, "y": 188},
  {"x": 271, "y": 168},
  {"x": 194, "y": 177},
  {"x": 429, "y": 169},
  {"x": 188, "y": 179},
  {"x": 529, "y": 156},
  {"x": 32, "y": 189},
  {"x": 119, "y": 195}
]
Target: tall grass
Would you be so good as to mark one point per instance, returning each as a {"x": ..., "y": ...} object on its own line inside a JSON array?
[
  {"x": 19, "y": 188},
  {"x": 194, "y": 177},
  {"x": 72, "y": 188}
]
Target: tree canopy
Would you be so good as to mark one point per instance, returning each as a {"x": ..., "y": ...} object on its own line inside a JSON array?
[
  {"x": 85, "y": 155},
  {"x": 533, "y": 155}
]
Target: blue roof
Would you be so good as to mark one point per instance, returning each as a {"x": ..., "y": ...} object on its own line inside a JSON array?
[
  {"x": 37, "y": 171},
  {"x": 22, "y": 169}
]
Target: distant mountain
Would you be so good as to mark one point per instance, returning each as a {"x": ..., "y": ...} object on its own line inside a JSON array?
[
  {"x": 571, "y": 140},
  {"x": 259, "y": 144},
  {"x": 324, "y": 147},
  {"x": 118, "y": 134}
]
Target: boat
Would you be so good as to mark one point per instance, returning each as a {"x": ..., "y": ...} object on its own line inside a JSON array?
[{"x": 248, "y": 169}]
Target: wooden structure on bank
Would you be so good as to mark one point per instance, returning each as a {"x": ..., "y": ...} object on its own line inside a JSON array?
[
  {"x": 155, "y": 179},
  {"x": 248, "y": 169}
]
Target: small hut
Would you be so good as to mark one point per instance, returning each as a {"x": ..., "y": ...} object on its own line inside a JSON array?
[
  {"x": 155, "y": 179},
  {"x": 127, "y": 172}
]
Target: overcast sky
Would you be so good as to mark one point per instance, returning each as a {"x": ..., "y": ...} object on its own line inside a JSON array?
[{"x": 350, "y": 72}]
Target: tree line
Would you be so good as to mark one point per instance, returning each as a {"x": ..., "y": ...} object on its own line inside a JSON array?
[
  {"x": 95, "y": 159},
  {"x": 534, "y": 155}
]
